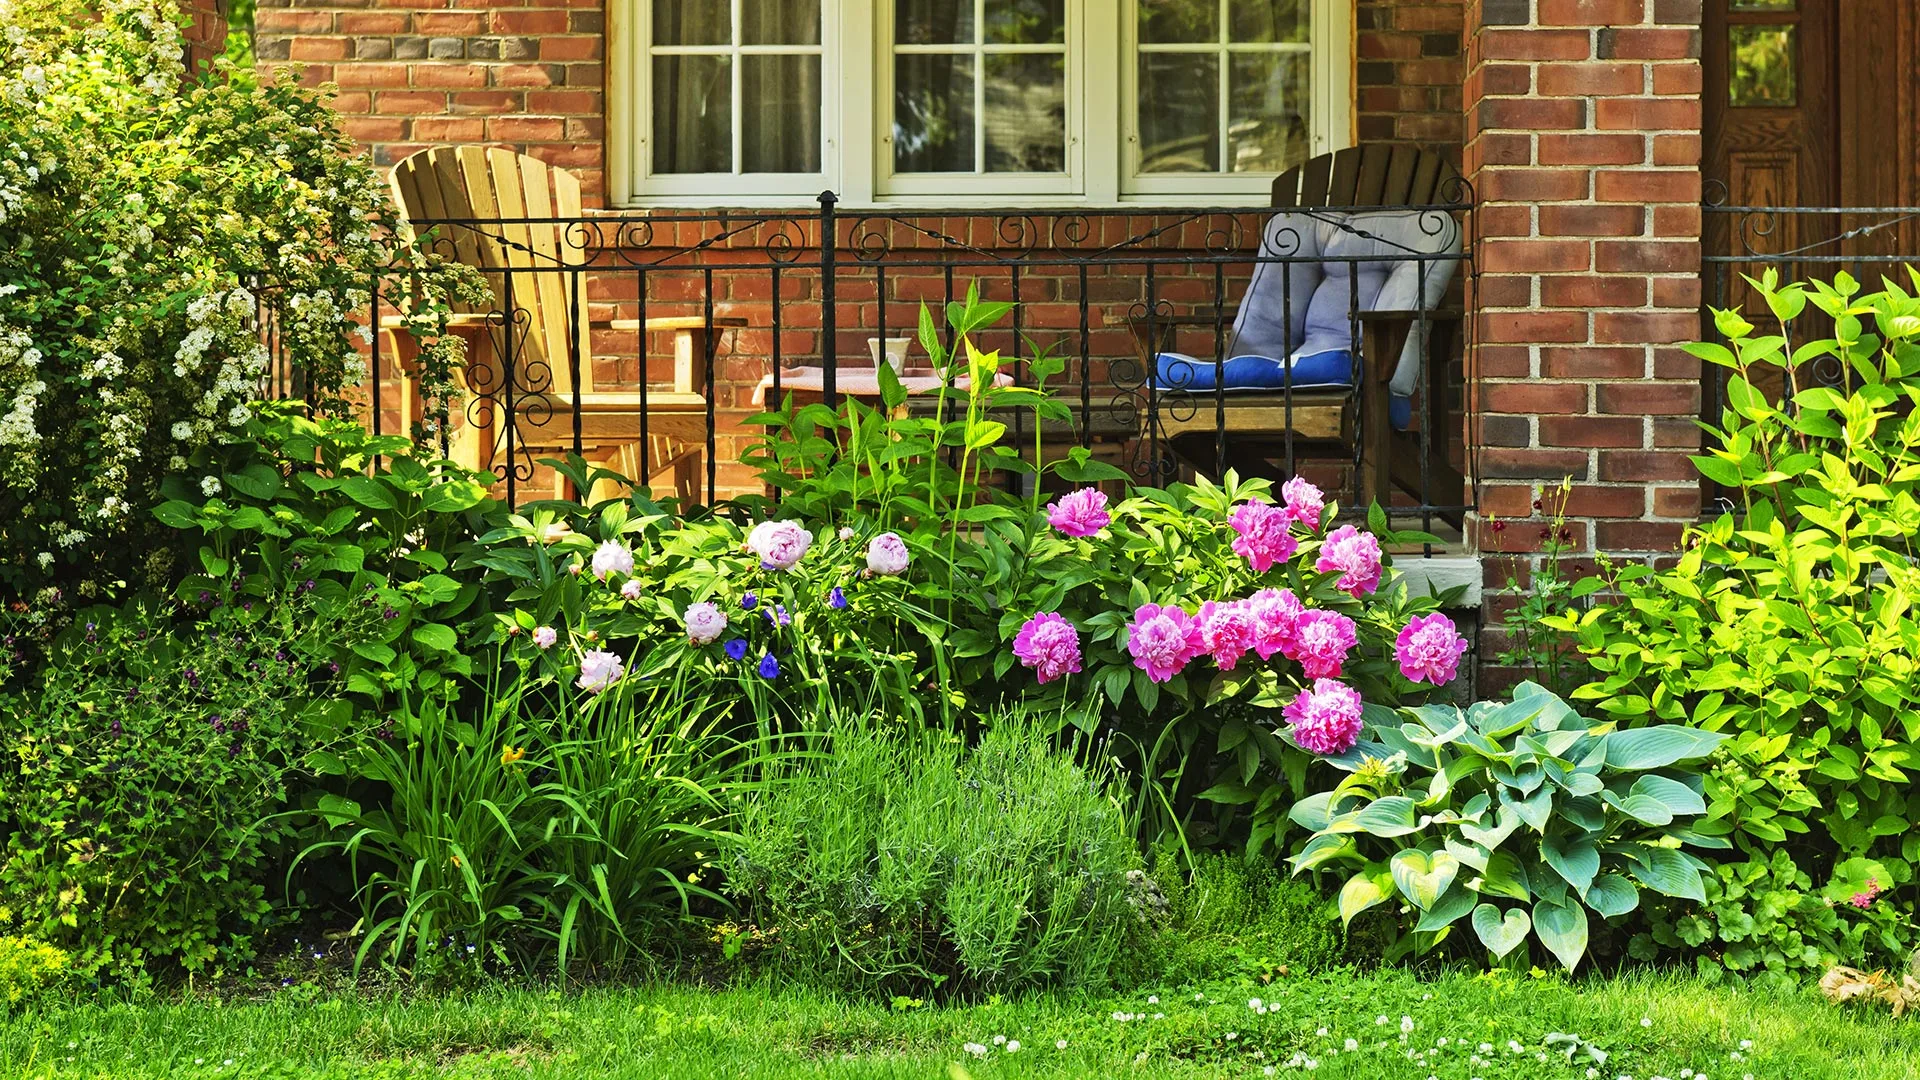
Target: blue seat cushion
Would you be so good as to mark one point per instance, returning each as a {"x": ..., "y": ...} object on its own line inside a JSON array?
[{"x": 1326, "y": 370}]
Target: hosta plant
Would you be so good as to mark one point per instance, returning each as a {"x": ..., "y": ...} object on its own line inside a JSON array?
[{"x": 1513, "y": 821}]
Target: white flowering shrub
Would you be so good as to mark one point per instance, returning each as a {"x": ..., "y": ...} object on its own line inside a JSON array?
[{"x": 148, "y": 223}]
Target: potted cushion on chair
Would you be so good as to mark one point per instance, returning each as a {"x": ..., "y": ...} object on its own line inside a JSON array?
[{"x": 1294, "y": 326}]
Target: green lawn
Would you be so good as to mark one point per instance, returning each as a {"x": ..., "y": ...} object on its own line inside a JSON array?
[{"x": 1647, "y": 1026}]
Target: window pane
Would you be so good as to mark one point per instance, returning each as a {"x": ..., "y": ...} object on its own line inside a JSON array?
[
  {"x": 1179, "y": 20},
  {"x": 1026, "y": 112},
  {"x": 1179, "y": 112},
  {"x": 1268, "y": 113},
  {"x": 692, "y": 114},
  {"x": 1762, "y": 5},
  {"x": 1761, "y": 67},
  {"x": 780, "y": 22},
  {"x": 933, "y": 22},
  {"x": 692, "y": 22},
  {"x": 780, "y": 114},
  {"x": 1026, "y": 22},
  {"x": 933, "y": 113},
  {"x": 1269, "y": 20}
]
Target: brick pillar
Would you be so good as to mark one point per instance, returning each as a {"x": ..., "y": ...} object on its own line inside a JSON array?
[
  {"x": 1409, "y": 72},
  {"x": 206, "y": 33},
  {"x": 1583, "y": 146},
  {"x": 415, "y": 73}
]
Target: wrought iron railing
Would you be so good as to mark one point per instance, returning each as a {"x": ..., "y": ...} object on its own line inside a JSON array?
[{"x": 1106, "y": 290}]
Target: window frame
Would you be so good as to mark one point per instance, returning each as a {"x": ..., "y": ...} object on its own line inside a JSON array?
[{"x": 856, "y": 50}]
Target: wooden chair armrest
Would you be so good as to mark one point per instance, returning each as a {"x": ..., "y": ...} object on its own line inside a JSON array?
[
  {"x": 459, "y": 320},
  {"x": 1432, "y": 316},
  {"x": 1114, "y": 318}
]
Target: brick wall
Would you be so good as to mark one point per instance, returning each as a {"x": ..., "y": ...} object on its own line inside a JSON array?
[
  {"x": 1408, "y": 73},
  {"x": 206, "y": 31},
  {"x": 414, "y": 73},
  {"x": 1583, "y": 143}
]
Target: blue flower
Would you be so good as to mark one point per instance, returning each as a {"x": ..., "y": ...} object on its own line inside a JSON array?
[
  {"x": 769, "y": 667},
  {"x": 747, "y": 601},
  {"x": 777, "y": 615},
  {"x": 837, "y": 598},
  {"x": 737, "y": 648}
]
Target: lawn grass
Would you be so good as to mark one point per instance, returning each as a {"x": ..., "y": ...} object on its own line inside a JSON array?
[{"x": 1648, "y": 1025}]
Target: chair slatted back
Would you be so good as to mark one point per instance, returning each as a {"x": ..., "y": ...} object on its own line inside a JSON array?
[
  {"x": 1376, "y": 174},
  {"x": 520, "y": 258}
]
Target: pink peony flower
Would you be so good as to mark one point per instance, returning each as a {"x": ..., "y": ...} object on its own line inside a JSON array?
[
  {"x": 599, "y": 670},
  {"x": 1080, "y": 512},
  {"x": 1227, "y": 630},
  {"x": 1049, "y": 645},
  {"x": 1162, "y": 640},
  {"x": 631, "y": 589},
  {"x": 1325, "y": 718},
  {"x": 612, "y": 557},
  {"x": 1356, "y": 555},
  {"x": 704, "y": 622},
  {"x": 1303, "y": 502},
  {"x": 1275, "y": 612},
  {"x": 887, "y": 555},
  {"x": 779, "y": 544},
  {"x": 1429, "y": 649},
  {"x": 545, "y": 636},
  {"x": 1263, "y": 536},
  {"x": 1321, "y": 642}
]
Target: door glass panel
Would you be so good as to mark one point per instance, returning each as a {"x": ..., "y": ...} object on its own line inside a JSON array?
[
  {"x": 692, "y": 22},
  {"x": 1172, "y": 21},
  {"x": 780, "y": 22},
  {"x": 780, "y": 113},
  {"x": 692, "y": 114},
  {"x": 1267, "y": 113},
  {"x": 1026, "y": 112},
  {"x": 1179, "y": 112},
  {"x": 1026, "y": 22},
  {"x": 1268, "y": 20},
  {"x": 1762, "y": 5},
  {"x": 933, "y": 112},
  {"x": 933, "y": 22},
  {"x": 1760, "y": 66}
]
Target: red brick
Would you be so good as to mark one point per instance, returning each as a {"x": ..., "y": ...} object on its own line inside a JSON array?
[
  {"x": 364, "y": 22},
  {"x": 317, "y": 48},
  {"x": 352, "y": 101},
  {"x": 1591, "y": 500},
  {"x": 289, "y": 21},
  {"x": 1677, "y": 292},
  {"x": 1597, "y": 78},
  {"x": 1519, "y": 464},
  {"x": 1507, "y": 500},
  {"x": 1676, "y": 150},
  {"x": 1533, "y": 398},
  {"x": 448, "y": 23},
  {"x": 1645, "y": 465},
  {"x": 1680, "y": 219},
  {"x": 1680, "y": 78},
  {"x": 1533, "y": 114},
  {"x": 1592, "y": 431},
  {"x": 1592, "y": 290},
  {"x": 371, "y": 129},
  {"x": 376, "y": 76},
  {"x": 1638, "y": 535},
  {"x": 1680, "y": 502},
  {"x": 570, "y": 48},
  {"x": 523, "y": 75},
  {"x": 1673, "y": 362},
  {"x": 1592, "y": 220},
  {"x": 1533, "y": 185},
  {"x": 1528, "y": 43},
  {"x": 1653, "y": 327},
  {"x": 1503, "y": 78},
  {"x": 563, "y": 101},
  {"x": 1534, "y": 327},
  {"x": 1505, "y": 148},
  {"x": 1534, "y": 256},
  {"x": 1646, "y": 256},
  {"x": 1649, "y": 398},
  {"x": 1562, "y": 149},
  {"x": 1505, "y": 290},
  {"x": 413, "y": 102},
  {"x": 525, "y": 129},
  {"x": 1502, "y": 430},
  {"x": 1503, "y": 219},
  {"x": 450, "y": 129},
  {"x": 1503, "y": 361},
  {"x": 527, "y": 21},
  {"x": 1649, "y": 44},
  {"x": 450, "y": 76},
  {"x": 1590, "y": 12},
  {"x": 1647, "y": 185},
  {"x": 1593, "y": 362},
  {"x": 1647, "y": 114}
]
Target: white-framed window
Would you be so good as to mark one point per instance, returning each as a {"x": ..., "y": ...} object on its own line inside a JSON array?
[{"x": 971, "y": 102}]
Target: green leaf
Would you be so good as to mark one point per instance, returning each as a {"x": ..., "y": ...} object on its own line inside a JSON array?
[
  {"x": 1677, "y": 797},
  {"x": 177, "y": 515},
  {"x": 1563, "y": 930},
  {"x": 1612, "y": 895},
  {"x": 1363, "y": 890},
  {"x": 1387, "y": 817},
  {"x": 1670, "y": 873},
  {"x": 452, "y": 496},
  {"x": 1504, "y": 876},
  {"x": 1422, "y": 876},
  {"x": 436, "y": 636},
  {"x": 368, "y": 492},
  {"x": 1501, "y": 934},
  {"x": 1322, "y": 850},
  {"x": 1657, "y": 747},
  {"x": 1454, "y": 903},
  {"x": 256, "y": 481},
  {"x": 1574, "y": 858}
]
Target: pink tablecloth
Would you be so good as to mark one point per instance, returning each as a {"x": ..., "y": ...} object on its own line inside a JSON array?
[{"x": 860, "y": 382}]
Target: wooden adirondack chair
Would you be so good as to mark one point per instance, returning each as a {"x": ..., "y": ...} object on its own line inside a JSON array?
[
  {"x": 1261, "y": 424},
  {"x": 523, "y": 397}
]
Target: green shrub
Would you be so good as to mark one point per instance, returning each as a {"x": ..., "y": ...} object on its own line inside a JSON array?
[
  {"x": 1232, "y": 917},
  {"x": 28, "y": 969},
  {"x": 1520, "y": 818},
  {"x": 1789, "y": 622},
  {"x": 899, "y": 861},
  {"x": 139, "y": 762}
]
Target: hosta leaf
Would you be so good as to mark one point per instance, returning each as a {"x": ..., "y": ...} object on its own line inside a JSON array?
[
  {"x": 1364, "y": 890},
  {"x": 1422, "y": 876},
  {"x": 1501, "y": 934},
  {"x": 1322, "y": 850},
  {"x": 1313, "y": 812},
  {"x": 1574, "y": 858},
  {"x": 1455, "y": 902},
  {"x": 1504, "y": 876},
  {"x": 1562, "y": 928},
  {"x": 1535, "y": 809},
  {"x": 1389, "y": 816},
  {"x": 1657, "y": 747},
  {"x": 1667, "y": 871},
  {"x": 1493, "y": 837},
  {"x": 1677, "y": 797},
  {"x": 1611, "y": 895},
  {"x": 1642, "y": 808}
]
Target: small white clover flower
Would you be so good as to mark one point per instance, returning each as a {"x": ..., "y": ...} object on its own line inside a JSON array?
[
  {"x": 1646, "y": 1021},
  {"x": 1406, "y": 1025},
  {"x": 1380, "y": 1021},
  {"x": 1253, "y": 1003},
  {"x": 1013, "y": 1046},
  {"x": 1352, "y": 1045},
  {"x": 1153, "y": 999},
  {"x": 1059, "y": 1044},
  {"x": 999, "y": 1040},
  {"x": 974, "y": 1048}
]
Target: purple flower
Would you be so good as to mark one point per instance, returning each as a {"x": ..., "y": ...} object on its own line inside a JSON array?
[
  {"x": 887, "y": 555},
  {"x": 747, "y": 600},
  {"x": 1263, "y": 535},
  {"x": 1080, "y": 512},
  {"x": 389, "y": 613},
  {"x": 737, "y": 648},
  {"x": 1322, "y": 640},
  {"x": 779, "y": 544},
  {"x": 598, "y": 670},
  {"x": 114, "y": 727},
  {"x": 1048, "y": 644},
  {"x": 1275, "y": 613},
  {"x": 769, "y": 667},
  {"x": 1429, "y": 649},
  {"x": 1162, "y": 640},
  {"x": 1325, "y": 718},
  {"x": 1303, "y": 502},
  {"x": 777, "y": 615},
  {"x": 610, "y": 558},
  {"x": 1355, "y": 555},
  {"x": 836, "y": 598},
  {"x": 307, "y": 585},
  {"x": 545, "y": 636},
  {"x": 704, "y": 622},
  {"x": 1228, "y": 631}
]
